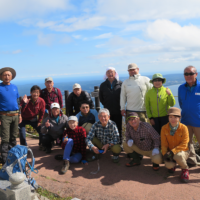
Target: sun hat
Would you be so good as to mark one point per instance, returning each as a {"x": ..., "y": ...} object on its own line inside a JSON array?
[
  {"x": 174, "y": 111},
  {"x": 157, "y": 76},
  {"x": 7, "y": 69},
  {"x": 55, "y": 105},
  {"x": 76, "y": 86},
  {"x": 132, "y": 114},
  {"x": 74, "y": 118},
  {"x": 111, "y": 68},
  {"x": 48, "y": 79},
  {"x": 132, "y": 66}
]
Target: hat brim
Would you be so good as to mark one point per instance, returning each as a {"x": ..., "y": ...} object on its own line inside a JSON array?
[
  {"x": 7, "y": 69},
  {"x": 151, "y": 81},
  {"x": 131, "y": 116},
  {"x": 174, "y": 114}
]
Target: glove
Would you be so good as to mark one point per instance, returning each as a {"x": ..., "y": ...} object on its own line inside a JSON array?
[
  {"x": 130, "y": 143},
  {"x": 169, "y": 156},
  {"x": 155, "y": 151},
  {"x": 83, "y": 161}
]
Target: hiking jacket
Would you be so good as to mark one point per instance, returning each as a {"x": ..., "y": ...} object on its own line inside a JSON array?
[
  {"x": 73, "y": 102},
  {"x": 176, "y": 143},
  {"x": 133, "y": 93},
  {"x": 157, "y": 102},
  {"x": 55, "y": 129},
  {"x": 189, "y": 102},
  {"x": 110, "y": 98}
]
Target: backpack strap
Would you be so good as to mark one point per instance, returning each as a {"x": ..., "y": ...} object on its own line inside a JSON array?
[{"x": 32, "y": 169}]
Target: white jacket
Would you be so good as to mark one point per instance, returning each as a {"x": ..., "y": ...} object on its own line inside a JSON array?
[{"x": 133, "y": 93}]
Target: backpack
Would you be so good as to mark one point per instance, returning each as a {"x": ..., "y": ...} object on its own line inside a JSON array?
[
  {"x": 56, "y": 91},
  {"x": 16, "y": 162}
]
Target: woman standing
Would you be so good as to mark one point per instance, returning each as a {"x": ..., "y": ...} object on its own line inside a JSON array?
[{"x": 157, "y": 101}]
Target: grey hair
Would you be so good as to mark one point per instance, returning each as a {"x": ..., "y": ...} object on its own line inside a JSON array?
[
  {"x": 189, "y": 67},
  {"x": 104, "y": 110},
  {"x": 6, "y": 71}
]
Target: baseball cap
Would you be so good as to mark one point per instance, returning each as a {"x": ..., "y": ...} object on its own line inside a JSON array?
[
  {"x": 132, "y": 114},
  {"x": 76, "y": 86},
  {"x": 132, "y": 66},
  {"x": 55, "y": 105},
  {"x": 74, "y": 118},
  {"x": 48, "y": 79}
]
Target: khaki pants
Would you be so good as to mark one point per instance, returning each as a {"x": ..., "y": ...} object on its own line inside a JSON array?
[
  {"x": 193, "y": 131},
  {"x": 116, "y": 149},
  {"x": 180, "y": 158},
  {"x": 157, "y": 159},
  {"x": 142, "y": 115}
]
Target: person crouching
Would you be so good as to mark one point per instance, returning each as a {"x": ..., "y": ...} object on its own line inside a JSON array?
[
  {"x": 141, "y": 139},
  {"x": 174, "y": 144},
  {"x": 73, "y": 144}
]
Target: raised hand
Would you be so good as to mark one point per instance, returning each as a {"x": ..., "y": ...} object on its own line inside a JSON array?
[
  {"x": 168, "y": 91},
  {"x": 47, "y": 124},
  {"x": 25, "y": 99}
]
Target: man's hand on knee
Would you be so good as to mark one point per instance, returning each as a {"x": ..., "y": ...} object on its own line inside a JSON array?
[{"x": 105, "y": 148}]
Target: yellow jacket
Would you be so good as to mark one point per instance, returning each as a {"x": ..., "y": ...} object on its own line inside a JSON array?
[{"x": 176, "y": 143}]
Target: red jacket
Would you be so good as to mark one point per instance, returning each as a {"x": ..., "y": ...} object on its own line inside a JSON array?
[{"x": 30, "y": 111}]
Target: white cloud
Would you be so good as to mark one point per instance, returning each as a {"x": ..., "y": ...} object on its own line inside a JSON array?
[
  {"x": 104, "y": 36},
  {"x": 99, "y": 45},
  {"x": 76, "y": 36},
  {"x": 17, "y": 51},
  {"x": 46, "y": 40}
]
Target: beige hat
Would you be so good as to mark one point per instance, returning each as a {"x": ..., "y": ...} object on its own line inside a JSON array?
[
  {"x": 48, "y": 79},
  {"x": 76, "y": 86},
  {"x": 8, "y": 69},
  {"x": 174, "y": 111},
  {"x": 132, "y": 66}
]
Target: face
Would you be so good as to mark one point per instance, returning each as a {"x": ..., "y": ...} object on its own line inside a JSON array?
[
  {"x": 157, "y": 83},
  {"x": 77, "y": 91},
  {"x": 55, "y": 111},
  {"x": 85, "y": 108},
  {"x": 49, "y": 84},
  {"x": 7, "y": 76},
  {"x": 111, "y": 74},
  {"x": 190, "y": 79},
  {"x": 103, "y": 118},
  {"x": 134, "y": 121},
  {"x": 72, "y": 124},
  {"x": 133, "y": 72},
  {"x": 35, "y": 94},
  {"x": 173, "y": 120}
]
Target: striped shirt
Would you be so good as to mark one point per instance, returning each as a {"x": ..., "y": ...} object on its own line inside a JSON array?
[
  {"x": 107, "y": 135},
  {"x": 145, "y": 137}
]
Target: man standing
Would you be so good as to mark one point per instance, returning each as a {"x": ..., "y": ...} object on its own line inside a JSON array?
[
  {"x": 9, "y": 111},
  {"x": 50, "y": 95},
  {"x": 75, "y": 98},
  {"x": 102, "y": 135},
  {"x": 189, "y": 101},
  {"x": 31, "y": 107},
  {"x": 109, "y": 94},
  {"x": 133, "y": 93}
]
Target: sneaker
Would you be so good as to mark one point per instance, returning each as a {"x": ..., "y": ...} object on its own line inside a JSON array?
[
  {"x": 115, "y": 159},
  {"x": 65, "y": 166},
  {"x": 156, "y": 167},
  {"x": 172, "y": 170},
  {"x": 48, "y": 150},
  {"x": 185, "y": 176},
  {"x": 92, "y": 158}
]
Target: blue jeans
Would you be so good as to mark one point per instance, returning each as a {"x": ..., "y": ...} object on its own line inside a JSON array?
[
  {"x": 74, "y": 158},
  {"x": 22, "y": 131}
]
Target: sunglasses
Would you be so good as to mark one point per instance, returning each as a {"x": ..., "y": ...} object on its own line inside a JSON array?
[
  {"x": 189, "y": 74},
  {"x": 157, "y": 80}
]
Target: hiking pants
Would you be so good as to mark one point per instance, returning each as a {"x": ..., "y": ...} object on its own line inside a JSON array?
[
  {"x": 47, "y": 140},
  {"x": 117, "y": 118}
]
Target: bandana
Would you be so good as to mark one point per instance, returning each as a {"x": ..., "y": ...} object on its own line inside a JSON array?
[
  {"x": 173, "y": 129},
  {"x": 116, "y": 74}
]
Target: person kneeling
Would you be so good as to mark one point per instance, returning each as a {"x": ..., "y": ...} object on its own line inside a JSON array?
[
  {"x": 73, "y": 144},
  {"x": 102, "y": 135},
  {"x": 174, "y": 144},
  {"x": 141, "y": 138}
]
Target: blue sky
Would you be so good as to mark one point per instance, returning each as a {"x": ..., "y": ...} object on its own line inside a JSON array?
[{"x": 63, "y": 38}]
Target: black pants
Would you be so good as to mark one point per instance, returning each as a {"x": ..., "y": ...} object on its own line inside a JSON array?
[
  {"x": 47, "y": 140},
  {"x": 117, "y": 118},
  {"x": 159, "y": 122}
]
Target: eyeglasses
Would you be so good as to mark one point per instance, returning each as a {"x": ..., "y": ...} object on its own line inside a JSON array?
[
  {"x": 85, "y": 107},
  {"x": 189, "y": 74},
  {"x": 157, "y": 80}
]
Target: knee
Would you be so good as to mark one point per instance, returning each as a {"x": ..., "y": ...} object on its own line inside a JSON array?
[
  {"x": 70, "y": 141},
  {"x": 116, "y": 149},
  {"x": 157, "y": 159}
]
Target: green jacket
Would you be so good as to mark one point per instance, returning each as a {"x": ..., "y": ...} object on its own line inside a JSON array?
[{"x": 157, "y": 102}]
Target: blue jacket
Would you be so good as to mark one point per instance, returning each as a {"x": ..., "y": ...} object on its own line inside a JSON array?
[{"x": 189, "y": 102}]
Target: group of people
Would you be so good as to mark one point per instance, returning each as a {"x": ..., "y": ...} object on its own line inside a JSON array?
[{"x": 154, "y": 128}]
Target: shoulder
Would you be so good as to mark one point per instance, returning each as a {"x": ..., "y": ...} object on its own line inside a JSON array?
[
  {"x": 111, "y": 123},
  {"x": 103, "y": 84},
  {"x": 183, "y": 126},
  {"x": 64, "y": 117},
  {"x": 125, "y": 82},
  {"x": 80, "y": 128},
  {"x": 145, "y": 78},
  {"x": 93, "y": 111},
  {"x": 119, "y": 82},
  {"x": 41, "y": 100},
  {"x": 182, "y": 86},
  {"x": 78, "y": 115}
]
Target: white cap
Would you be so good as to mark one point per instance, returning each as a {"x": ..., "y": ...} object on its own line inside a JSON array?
[
  {"x": 55, "y": 105},
  {"x": 74, "y": 118},
  {"x": 76, "y": 86}
]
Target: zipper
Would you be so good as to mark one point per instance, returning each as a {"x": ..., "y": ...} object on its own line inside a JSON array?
[{"x": 157, "y": 102}]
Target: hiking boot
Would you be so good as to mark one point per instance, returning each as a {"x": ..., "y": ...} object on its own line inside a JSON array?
[
  {"x": 155, "y": 167},
  {"x": 40, "y": 147},
  {"x": 172, "y": 170},
  {"x": 135, "y": 159},
  {"x": 48, "y": 150},
  {"x": 94, "y": 157},
  {"x": 115, "y": 159},
  {"x": 185, "y": 176},
  {"x": 65, "y": 166}
]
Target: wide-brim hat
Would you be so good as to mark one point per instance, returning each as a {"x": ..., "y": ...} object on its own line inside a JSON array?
[
  {"x": 155, "y": 76},
  {"x": 8, "y": 69},
  {"x": 174, "y": 111}
]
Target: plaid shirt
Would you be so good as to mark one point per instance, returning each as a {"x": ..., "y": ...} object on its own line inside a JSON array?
[
  {"x": 78, "y": 135},
  {"x": 145, "y": 138},
  {"x": 107, "y": 135}
]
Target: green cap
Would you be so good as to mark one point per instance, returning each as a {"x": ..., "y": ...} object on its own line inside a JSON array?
[{"x": 155, "y": 76}]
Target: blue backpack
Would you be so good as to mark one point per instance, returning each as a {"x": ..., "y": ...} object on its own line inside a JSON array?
[{"x": 16, "y": 162}]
